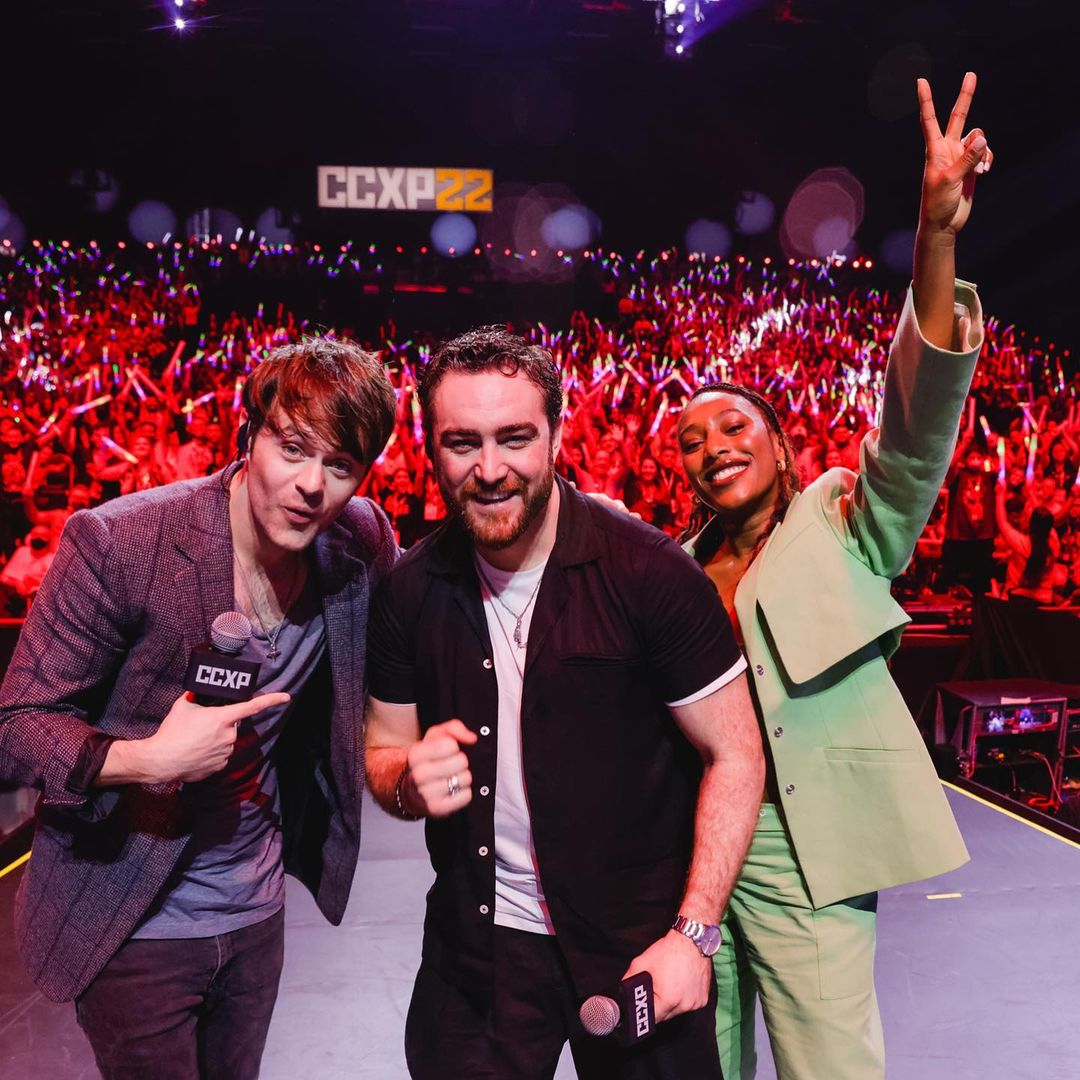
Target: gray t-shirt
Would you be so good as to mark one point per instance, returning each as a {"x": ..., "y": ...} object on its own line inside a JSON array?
[{"x": 231, "y": 874}]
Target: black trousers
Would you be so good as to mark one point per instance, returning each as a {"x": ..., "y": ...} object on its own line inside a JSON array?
[
  {"x": 195, "y": 1009},
  {"x": 519, "y": 1034}
]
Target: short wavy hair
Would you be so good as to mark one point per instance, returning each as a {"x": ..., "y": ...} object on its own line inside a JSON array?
[
  {"x": 493, "y": 348},
  {"x": 330, "y": 387}
]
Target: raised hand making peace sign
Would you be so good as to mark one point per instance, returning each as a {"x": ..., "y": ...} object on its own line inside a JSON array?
[{"x": 952, "y": 160}]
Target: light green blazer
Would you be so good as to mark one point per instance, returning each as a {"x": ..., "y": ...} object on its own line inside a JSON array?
[{"x": 863, "y": 805}]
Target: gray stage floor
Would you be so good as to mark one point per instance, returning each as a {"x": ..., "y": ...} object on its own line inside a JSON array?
[{"x": 978, "y": 986}]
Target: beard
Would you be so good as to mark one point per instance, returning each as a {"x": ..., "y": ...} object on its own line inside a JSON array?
[{"x": 500, "y": 529}]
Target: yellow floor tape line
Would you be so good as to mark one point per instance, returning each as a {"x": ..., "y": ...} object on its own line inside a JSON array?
[
  {"x": 1015, "y": 817},
  {"x": 15, "y": 865}
]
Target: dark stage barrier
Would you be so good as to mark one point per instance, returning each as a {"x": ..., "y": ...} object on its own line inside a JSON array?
[
  {"x": 9, "y": 634},
  {"x": 925, "y": 659},
  {"x": 1019, "y": 639},
  {"x": 16, "y": 804},
  {"x": 1009, "y": 639}
]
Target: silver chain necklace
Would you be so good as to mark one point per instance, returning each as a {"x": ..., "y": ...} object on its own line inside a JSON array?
[
  {"x": 271, "y": 635},
  {"x": 513, "y": 614},
  {"x": 506, "y": 638}
]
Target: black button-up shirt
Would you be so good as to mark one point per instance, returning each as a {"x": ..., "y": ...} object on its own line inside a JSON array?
[{"x": 624, "y": 622}]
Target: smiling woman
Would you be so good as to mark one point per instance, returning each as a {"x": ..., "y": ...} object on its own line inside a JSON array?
[
  {"x": 737, "y": 457},
  {"x": 851, "y": 803}
]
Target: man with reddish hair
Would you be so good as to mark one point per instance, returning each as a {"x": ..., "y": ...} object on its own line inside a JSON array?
[{"x": 165, "y": 827}]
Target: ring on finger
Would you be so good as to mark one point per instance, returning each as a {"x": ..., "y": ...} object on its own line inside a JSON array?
[{"x": 453, "y": 786}]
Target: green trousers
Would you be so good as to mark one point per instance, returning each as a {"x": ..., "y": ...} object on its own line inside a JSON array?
[{"x": 813, "y": 970}]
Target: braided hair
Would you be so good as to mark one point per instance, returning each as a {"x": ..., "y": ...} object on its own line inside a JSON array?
[{"x": 790, "y": 483}]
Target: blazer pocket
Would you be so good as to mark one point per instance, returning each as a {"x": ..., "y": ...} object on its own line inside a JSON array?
[{"x": 871, "y": 757}]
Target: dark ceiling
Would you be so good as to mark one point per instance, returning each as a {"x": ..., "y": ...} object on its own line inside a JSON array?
[{"x": 239, "y": 110}]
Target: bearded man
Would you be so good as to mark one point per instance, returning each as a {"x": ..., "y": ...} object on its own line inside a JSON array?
[{"x": 556, "y": 687}]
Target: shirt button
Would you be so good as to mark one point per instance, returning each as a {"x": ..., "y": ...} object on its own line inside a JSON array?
[
  {"x": 485, "y": 790},
  {"x": 481, "y": 851},
  {"x": 790, "y": 789},
  {"x": 759, "y": 669},
  {"x": 778, "y": 731},
  {"x": 483, "y": 909},
  {"x": 485, "y": 730},
  {"x": 487, "y": 662}
]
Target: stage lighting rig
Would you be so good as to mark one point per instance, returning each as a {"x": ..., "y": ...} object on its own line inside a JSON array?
[
  {"x": 184, "y": 14},
  {"x": 676, "y": 22}
]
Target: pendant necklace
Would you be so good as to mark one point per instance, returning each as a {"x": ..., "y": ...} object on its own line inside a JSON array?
[
  {"x": 513, "y": 614},
  {"x": 271, "y": 635}
]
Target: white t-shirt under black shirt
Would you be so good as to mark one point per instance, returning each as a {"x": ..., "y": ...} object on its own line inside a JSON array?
[{"x": 519, "y": 893}]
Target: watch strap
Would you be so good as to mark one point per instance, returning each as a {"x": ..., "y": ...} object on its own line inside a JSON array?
[{"x": 696, "y": 930}]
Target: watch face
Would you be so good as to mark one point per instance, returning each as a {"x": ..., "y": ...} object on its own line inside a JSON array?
[{"x": 711, "y": 939}]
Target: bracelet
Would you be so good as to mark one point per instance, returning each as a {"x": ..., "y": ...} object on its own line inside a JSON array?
[{"x": 402, "y": 812}]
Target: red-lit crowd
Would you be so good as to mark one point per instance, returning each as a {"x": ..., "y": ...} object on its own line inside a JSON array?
[{"x": 116, "y": 377}]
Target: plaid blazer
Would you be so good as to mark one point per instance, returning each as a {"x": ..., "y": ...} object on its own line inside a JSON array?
[{"x": 133, "y": 588}]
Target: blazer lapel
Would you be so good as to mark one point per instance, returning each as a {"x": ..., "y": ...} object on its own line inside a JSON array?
[
  {"x": 343, "y": 588},
  {"x": 746, "y": 592},
  {"x": 204, "y": 585}
]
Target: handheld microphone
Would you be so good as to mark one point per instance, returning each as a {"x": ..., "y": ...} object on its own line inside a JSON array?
[
  {"x": 215, "y": 673},
  {"x": 630, "y": 1017}
]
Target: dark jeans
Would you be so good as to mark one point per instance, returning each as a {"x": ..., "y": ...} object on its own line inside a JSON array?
[
  {"x": 185, "y": 1009},
  {"x": 533, "y": 1011}
]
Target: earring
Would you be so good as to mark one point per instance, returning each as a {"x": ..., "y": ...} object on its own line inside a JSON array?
[{"x": 781, "y": 465}]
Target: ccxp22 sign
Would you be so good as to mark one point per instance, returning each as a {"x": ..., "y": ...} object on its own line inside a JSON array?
[{"x": 383, "y": 187}]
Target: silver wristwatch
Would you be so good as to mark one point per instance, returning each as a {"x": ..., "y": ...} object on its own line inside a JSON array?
[{"x": 707, "y": 938}]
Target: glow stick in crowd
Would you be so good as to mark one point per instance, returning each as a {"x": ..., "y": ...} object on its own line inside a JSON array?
[
  {"x": 237, "y": 393},
  {"x": 386, "y": 449},
  {"x": 80, "y": 409},
  {"x": 617, "y": 400},
  {"x": 418, "y": 424},
  {"x": 190, "y": 406},
  {"x": 117, "y": 449},
  {"x": 148, "y": 383},
  {"x": 1001, "y": 460},
  {"x": 127, "y": 388},
  {"x": 1033, "y": 447},
  {"x": 48, "y": 423},
  {"x": 659, "y": 417},
  {"x": 986, "y": 429}
]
